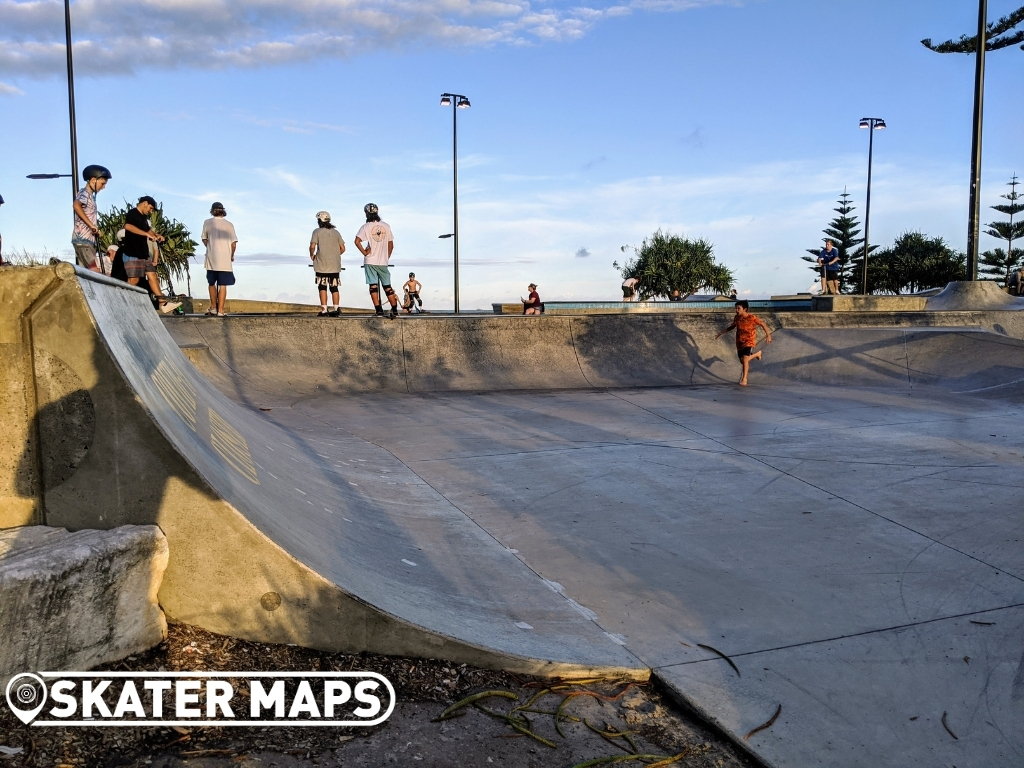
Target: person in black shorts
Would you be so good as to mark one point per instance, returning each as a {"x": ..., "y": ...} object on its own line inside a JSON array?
[
  {"x": 746, "y": 325},
  {"x": 413, "y": 286},
  {"x": 325, "y": 248},
  {"x": 828, "y": 260}
]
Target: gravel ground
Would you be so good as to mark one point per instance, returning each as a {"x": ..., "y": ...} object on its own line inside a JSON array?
[{"x": 612, "y": 722}]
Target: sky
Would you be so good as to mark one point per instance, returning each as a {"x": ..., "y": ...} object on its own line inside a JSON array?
[{"x": 593, "y": 124}]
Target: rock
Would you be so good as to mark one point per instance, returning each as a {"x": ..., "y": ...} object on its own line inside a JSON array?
[{"x": 72, "y": 601}]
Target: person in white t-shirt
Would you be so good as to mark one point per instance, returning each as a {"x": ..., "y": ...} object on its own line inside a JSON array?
[
  {"x": 629, "y": 289},
  {"x": 220, "y": 241},
  {"x": 375, "y": 241}
]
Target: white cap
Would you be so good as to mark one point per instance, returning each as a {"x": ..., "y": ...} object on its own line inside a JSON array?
[{"x": 323, "y": 216}]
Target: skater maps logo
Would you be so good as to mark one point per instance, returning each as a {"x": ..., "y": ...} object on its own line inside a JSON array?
[{"x": 200, "y": 698}]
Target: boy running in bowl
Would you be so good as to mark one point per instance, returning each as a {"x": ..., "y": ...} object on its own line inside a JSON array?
[{"x": 746, "y": 325}]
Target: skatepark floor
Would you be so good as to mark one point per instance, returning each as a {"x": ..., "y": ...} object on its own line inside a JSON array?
[{"x": 855, "y": 552}]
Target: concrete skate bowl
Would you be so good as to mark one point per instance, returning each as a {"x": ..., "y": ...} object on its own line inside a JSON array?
[
  {"x": 276, "y": 535},
  {"x": 260, "y": 361},
  {"x": 555, "y": 495}
]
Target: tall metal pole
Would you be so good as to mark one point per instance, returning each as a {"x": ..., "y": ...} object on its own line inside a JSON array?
[
  {"x": 455, "y": 186},
  {"x": 974, "y": 214},
  {"x": 71, "y": 98},
  {"x": 867, "y": 206}
]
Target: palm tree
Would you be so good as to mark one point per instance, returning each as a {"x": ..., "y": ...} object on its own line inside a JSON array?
[{"x": 666, "y": 263}]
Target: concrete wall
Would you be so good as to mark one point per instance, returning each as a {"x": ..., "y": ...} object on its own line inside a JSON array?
[{"x": 262, "y": 360}]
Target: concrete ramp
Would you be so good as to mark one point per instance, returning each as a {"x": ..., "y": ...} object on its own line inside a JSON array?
[
  {"x": 318, "y": 538},
  {"x": 973, "y": 295}
]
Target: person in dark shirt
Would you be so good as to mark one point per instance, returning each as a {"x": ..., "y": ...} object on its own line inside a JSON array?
[
  {"x": 828, "y": 260},
  {"x": 138, "y": 263},
  {"x": 532, "y": 305}
]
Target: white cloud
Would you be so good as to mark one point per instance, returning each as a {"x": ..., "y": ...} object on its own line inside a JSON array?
[
  {"x": 6, "y": 89},
  {"x": 121, "y": 36}
]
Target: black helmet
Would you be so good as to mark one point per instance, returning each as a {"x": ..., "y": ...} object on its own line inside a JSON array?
[
  {"x": 95, "y": 172},
  {"x": 370, "y": 208}
]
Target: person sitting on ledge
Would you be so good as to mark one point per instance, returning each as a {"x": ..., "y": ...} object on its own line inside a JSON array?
[{"x": 532, "y": 305}]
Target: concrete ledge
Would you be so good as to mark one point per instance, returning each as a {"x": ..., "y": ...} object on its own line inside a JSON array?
[
  {"x": 72, "y": 601},
  {"x": 251, "y": 307},
  {"x": 869, "y": 303}
]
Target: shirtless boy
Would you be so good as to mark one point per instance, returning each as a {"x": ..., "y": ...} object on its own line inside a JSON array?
[
  {"x": 746, "y": 336},
  {"x": 413, "y": 286}
]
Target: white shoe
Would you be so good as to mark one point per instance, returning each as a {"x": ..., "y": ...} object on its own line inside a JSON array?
[{"x": 169, "y": 306}]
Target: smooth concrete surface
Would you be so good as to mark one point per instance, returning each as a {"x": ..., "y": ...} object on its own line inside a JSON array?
[
  {"x": 73, "y": 601},
  {"x": 839, "y": 536},
  {"x": 836, "y": 527},
  {"x": 282, "y": 536},
  {"x": 976, "y": 294}
]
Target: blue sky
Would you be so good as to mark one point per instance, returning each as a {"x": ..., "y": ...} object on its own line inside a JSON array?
[{"x": 590, "y": 128}]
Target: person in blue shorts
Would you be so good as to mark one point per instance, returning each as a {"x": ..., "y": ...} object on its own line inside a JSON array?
[
  {"x": 375, "y": 241},
  {"x": 220, "y": 241}
]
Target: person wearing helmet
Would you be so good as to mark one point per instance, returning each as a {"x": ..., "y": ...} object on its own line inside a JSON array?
[
  {"x": 375, "y": 241},
  {"x": 325, "y": 248},
  {"x": 86, "y": 234},
  {"x": 220, "y": 240},
  {"x": 412, "y": 287}
]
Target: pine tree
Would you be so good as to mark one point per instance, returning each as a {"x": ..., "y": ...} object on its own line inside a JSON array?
[
  {"x": 995, "y": 38},
  {"x": 842, "y": 231},
  {"x": 999, "y": 262}
]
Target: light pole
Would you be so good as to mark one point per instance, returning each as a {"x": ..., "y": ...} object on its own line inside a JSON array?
[
  {"x": 71, "y": 98},
  {"x": 456, "y": 102},
  {"x": 872, "y": 124},
  {"x": 974, "y": 214},
  {"x": 71, "y": 111}
]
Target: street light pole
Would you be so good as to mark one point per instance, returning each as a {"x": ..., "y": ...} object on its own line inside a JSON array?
[
  {"x": 71, "y": 98},
  {"x": 974, "y": 214},
  {"x": 872, "y": 124},
  {"x": 457, "y": 101}
]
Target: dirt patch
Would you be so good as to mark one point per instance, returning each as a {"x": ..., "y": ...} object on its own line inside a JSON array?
[{"x": 548, "y": 722}]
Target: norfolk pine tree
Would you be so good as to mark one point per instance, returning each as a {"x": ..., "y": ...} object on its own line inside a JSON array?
[
  {"x": 995, "y": 38},
  {"x": 998, "y": 262},
  {"x": 842, "y": 231}
]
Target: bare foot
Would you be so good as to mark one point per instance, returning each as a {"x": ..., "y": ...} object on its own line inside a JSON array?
[{"x": 743, "y": 383}]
